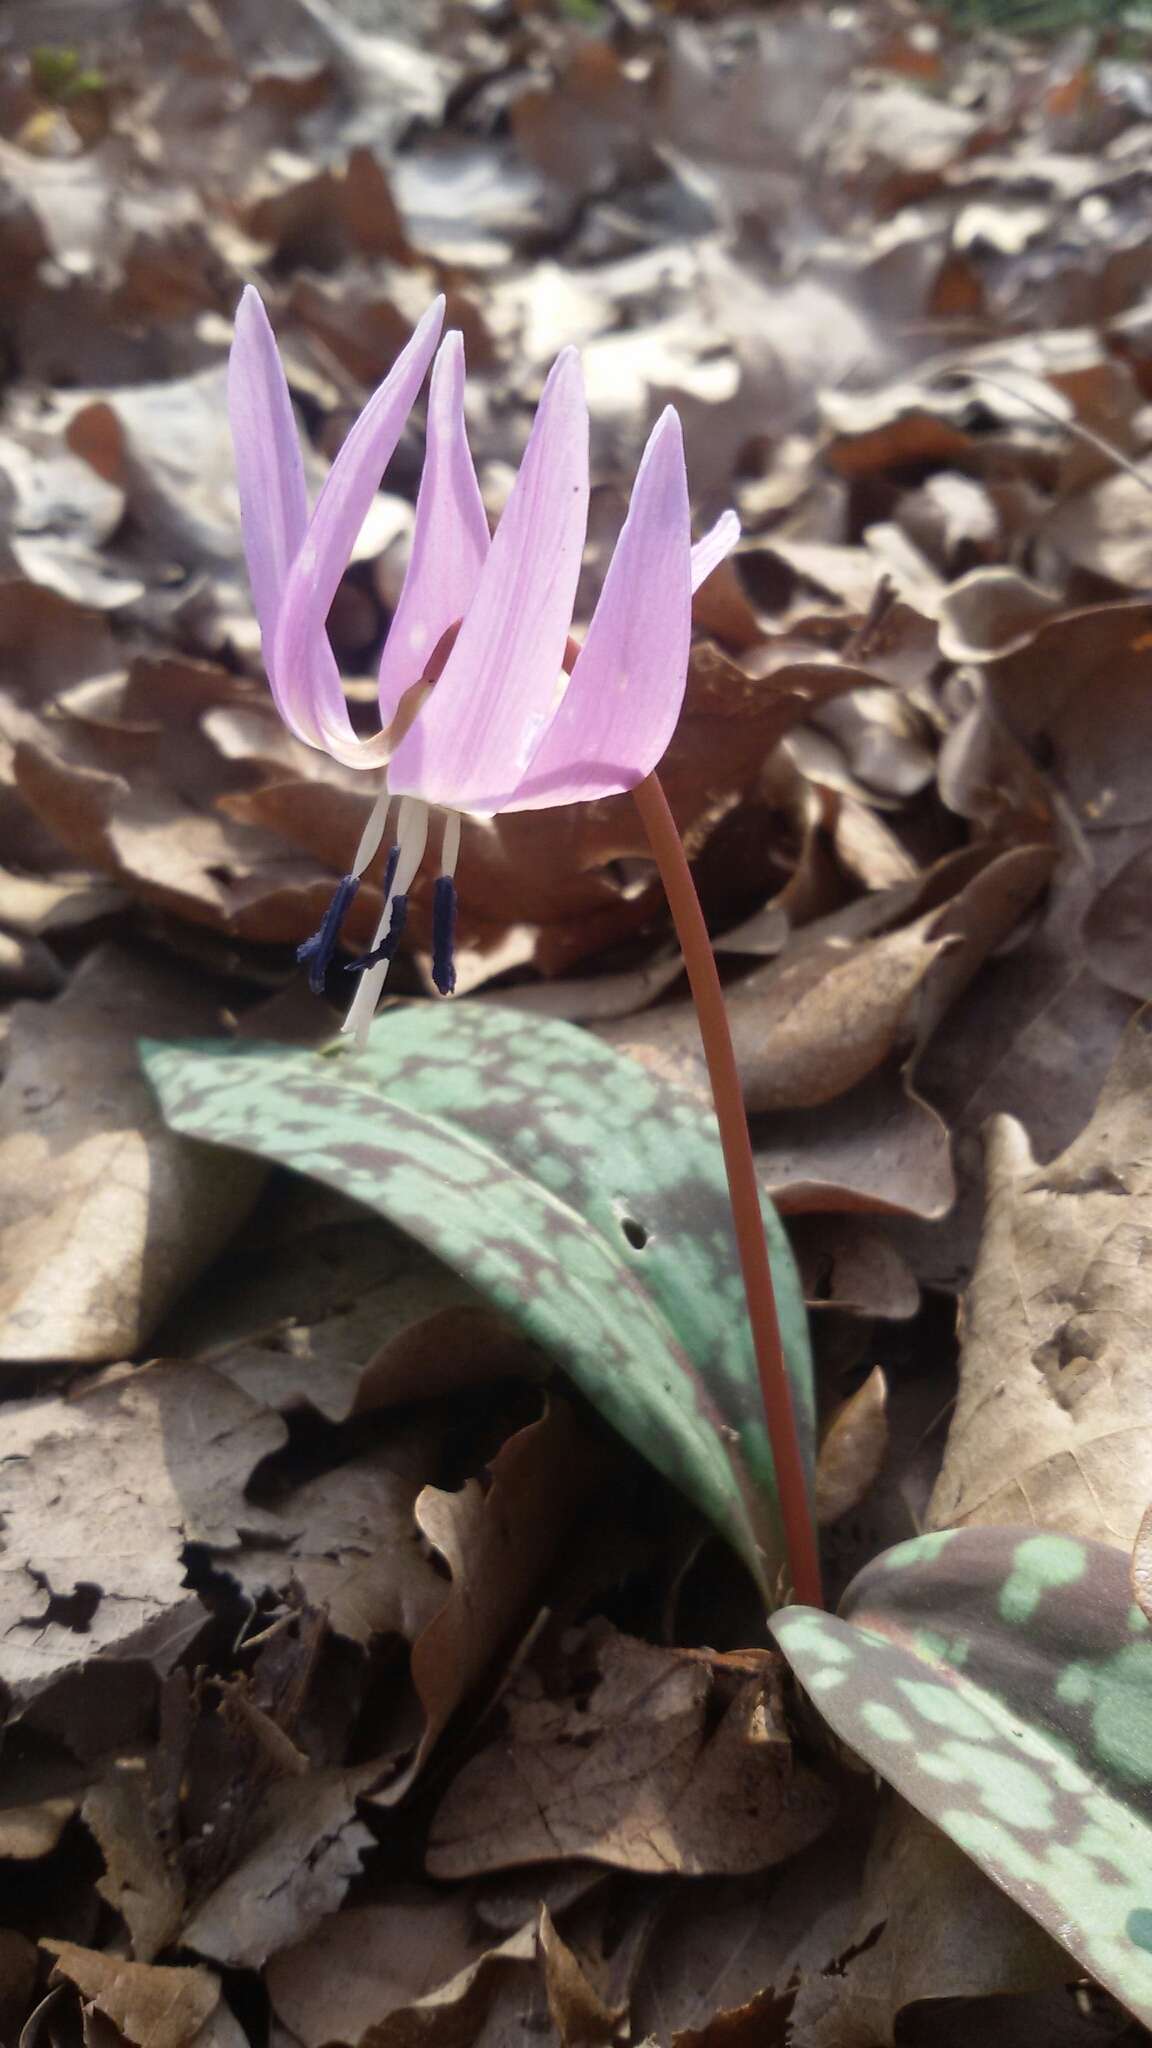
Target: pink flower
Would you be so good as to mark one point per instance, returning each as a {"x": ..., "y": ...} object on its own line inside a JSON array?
[{"x": 477, "y": 711}]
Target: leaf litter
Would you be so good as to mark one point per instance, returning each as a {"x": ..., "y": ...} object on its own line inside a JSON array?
[{"x": 359, "y": 1684}]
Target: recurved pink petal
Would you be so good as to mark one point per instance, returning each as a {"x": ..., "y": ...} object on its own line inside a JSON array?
[
  {"x": 301, "y": 649},
  {"x": 449, "y": 540},
  {"x": 475, "y": 735},
  {"x": 717, "y": 542},
  {"x": 269, "y": 478},
  {"x": 622, "y": 703}
]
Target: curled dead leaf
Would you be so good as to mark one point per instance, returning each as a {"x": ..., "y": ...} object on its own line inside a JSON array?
[{"x": 853, "y": 1450}]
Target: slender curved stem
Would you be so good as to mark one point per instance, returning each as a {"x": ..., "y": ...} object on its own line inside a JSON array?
[{"x": 743, "y": 1188}]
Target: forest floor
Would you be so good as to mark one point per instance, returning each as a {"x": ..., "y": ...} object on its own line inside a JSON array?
[{"x": 363, "y": 1686}]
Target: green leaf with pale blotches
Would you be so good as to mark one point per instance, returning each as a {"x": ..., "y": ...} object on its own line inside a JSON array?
[
  {"x": 1001, "y": 1680},
  {"x": 580, "y": 1194}
]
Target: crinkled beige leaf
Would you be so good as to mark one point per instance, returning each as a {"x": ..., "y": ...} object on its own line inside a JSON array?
[
  {"x": 152, "y": 2007},
  {"x": 1053, "y": 1424},
  {"x": 107, "y": 1215}
]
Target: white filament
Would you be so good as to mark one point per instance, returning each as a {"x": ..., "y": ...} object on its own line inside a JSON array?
[
  {"x": 450, "y": 844},
  {"x": 373, "y": 832},
  {"x": 411, "y": 838}
]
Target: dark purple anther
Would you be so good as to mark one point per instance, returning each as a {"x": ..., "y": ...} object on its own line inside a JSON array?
[
  {"x": 444, "y": 935},
  {"x": 318, "y": 950},
  {"x": 387, "y": 947}
]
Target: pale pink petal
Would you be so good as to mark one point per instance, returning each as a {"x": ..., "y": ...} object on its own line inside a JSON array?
[
  {"x": 718, "y": 542},
  {"x": 269, "y": 478},
  {"x": 627, "y": 686},
  {"x": 482, "y": 722},
  {"x": 449, "y": 540},
  {"x": 301, "y": 650}
]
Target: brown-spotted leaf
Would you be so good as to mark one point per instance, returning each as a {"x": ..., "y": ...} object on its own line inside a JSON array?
[
  {"x": 581, "y": 1196},
  {"x": 999, "y": 1679}
]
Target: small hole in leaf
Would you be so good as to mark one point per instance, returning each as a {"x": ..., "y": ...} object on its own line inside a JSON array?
[{"x": 635, "y": 1233}]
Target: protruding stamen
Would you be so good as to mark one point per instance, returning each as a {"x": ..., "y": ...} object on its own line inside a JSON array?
[
  {"x": 444, "y": 935},
  {"x": 373, "y": 832},
  {"x": 411, "y": 838},
  {"x": 318, "y": 950},
  {"x": 387, "y": 948},
  {"x": 389, "y": 875}
]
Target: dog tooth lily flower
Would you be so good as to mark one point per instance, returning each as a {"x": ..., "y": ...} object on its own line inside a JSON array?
[{"x": 481, "y": 711}]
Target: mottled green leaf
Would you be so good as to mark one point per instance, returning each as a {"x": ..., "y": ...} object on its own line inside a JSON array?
[
  {"x": 582, "y": 1195},
  {"x": 1001, "y": 1679}
]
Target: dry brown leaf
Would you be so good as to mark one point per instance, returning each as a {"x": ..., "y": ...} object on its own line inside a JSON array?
[
  {"x": 34, "y": 1815},
  {"x": 308, "y": 1848},
  {"x": 1078, "y": 691},
  {"x": 498, "y": 1542},
  {"x": 879, "y": 1148},
  {"x": 348, "y": 1539},
  {"x": 99, "y": 1495},
  {"x": 139, "y": 1880},
  {"x": 849, "y": 1262},
  {"x": 411, "y": 1969},
  {"x": 992, "y": 612},
  {"x": 727, "y": 1953},
  {"x": 128, "y": 781},
  {"x": 367, "y": 1962},
  {"x": 579, "y": 2014},
  {"x": 1053, "y": 1423},
  {"x": 318, "y": 1304},
  {"x": 1142, "y": 1564},
  {"x": 1106, "y": 530},
  {"x": 931, "y": 1925},
  {"x": 811, "y": 1026},
  {"x": 634, "y": 1770},
  {"x": 1034, "y": 1037},
  {"x": 108, "y": 1215},
  {"x": 18, "y": 1970},
  {"x": 853, "y": 1450},
  {"x": 807, "y": 1028},
  {"x": 1117, "y": 929},
  {"x": 153, "y": 2008}
]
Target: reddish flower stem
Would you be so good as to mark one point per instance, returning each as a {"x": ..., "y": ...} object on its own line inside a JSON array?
[{"x": 743, "y": 1188}]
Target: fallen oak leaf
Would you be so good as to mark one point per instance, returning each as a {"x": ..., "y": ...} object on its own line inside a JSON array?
[
  {"x": 849, "y": 1262},
  {"x": 812, "y": 1024},
  {"x": 853, "y": 1450},
  {"x": 140, "y": 1880},
  {"x": 411, "y": 1968},
  {"x": 1053, "y": 1423},
  {"x": 726, "y": 1952},
  {"x": 153, "y": 2007},
  {"x": 931, "y": 1925},
  {"x": 498, "y": 1542},
  {"x": 308, "y": 1848},
  {"x": 146, "y": 1461},
  {"x": 881, "y": 1149},
  {"x": 579, "y": 2014},
  {"x": 646, "y": 1760},
  {"x": 107, "y": 1218}
]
